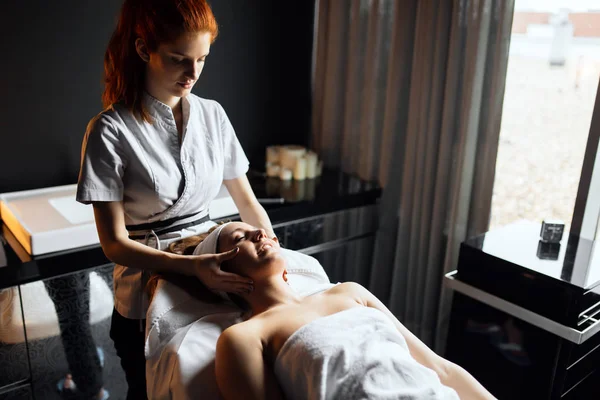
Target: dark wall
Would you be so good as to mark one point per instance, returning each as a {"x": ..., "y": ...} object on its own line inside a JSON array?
[{"x": 51, "y": 80}]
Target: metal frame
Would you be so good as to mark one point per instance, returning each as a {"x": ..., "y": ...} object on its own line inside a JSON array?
[
  {"x": 334, "y": 243},
  {"x": 563, "y": 331},
  {"x": 586, "y": 212}
]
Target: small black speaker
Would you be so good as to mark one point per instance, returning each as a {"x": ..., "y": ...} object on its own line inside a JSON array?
[{"x": 552, "y": 231}]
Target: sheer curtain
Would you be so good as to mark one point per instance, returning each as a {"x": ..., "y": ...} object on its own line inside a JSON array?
[{"x": 409, "y": 93}]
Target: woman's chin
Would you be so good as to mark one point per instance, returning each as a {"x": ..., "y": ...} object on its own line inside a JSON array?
[
  {"x": 270, "y": 255},
  {"x": 180, "y": 91}
]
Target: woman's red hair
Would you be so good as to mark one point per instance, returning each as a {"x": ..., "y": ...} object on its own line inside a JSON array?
[{"x": 155, "y": 22}]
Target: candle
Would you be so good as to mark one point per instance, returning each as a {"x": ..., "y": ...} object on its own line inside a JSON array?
[
  {"x": 289, "y": 154},
  {"x": 300, "y": 169},
  {"x": 273, "y": 170},
  {"x": 311, "y": 165},
  {"x": 273, "y": 154},
  {"x": 285, "y": 174}
]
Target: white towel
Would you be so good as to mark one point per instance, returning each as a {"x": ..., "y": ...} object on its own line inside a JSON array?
[{"x": 354, "y": 354}]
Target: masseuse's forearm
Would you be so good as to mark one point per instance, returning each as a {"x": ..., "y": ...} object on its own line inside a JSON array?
[
  {"x": 254, "y": 214},
  {"x": 136, "y": 255},
  {"x": 465, "y": 385}
]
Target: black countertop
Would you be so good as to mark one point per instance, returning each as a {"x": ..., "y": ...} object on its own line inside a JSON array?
[
  {"x": 575, "y": 261},
  {"x": 333, "y": 191}
]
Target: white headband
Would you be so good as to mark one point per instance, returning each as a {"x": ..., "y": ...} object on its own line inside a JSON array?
[{"x": 209, "y": 246}]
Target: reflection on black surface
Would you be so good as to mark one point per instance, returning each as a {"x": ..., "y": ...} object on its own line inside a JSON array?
[
  {"x": 14, "y": 366},
  {"x": 548, "y": 251},
  {"x": 291, "y": 191},
  {"x": 507, "y": 338},
  {"x": 512, "y": 359},
  {"x": 70, "y": 295},
  {"x": 331, "y": 184},
  {"x": 68, "y": 322}
]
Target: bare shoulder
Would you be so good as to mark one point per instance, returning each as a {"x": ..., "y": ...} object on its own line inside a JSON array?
[{"x": 245, "y": 334}]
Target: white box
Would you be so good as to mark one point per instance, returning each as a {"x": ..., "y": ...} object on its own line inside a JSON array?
[{"x": 50, "y": 219}]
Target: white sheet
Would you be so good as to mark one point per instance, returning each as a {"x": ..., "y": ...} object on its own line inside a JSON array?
[
  {"x": 354, "y": 354},
  {"x": 182, "y": 333}
]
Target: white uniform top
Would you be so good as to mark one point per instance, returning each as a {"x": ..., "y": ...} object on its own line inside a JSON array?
[{"x": 157, "y": 179}]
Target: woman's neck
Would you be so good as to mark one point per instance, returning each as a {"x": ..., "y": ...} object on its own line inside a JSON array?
[
  {"x": 172, "y": 101},
  {"x": 269, "y": 293}
]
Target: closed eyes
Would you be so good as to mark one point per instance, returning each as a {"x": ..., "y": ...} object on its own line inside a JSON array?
[{"x": 176, "y": 60}]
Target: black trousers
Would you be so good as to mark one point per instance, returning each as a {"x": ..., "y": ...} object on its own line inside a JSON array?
[
  {"x": 128, "y": 337},
  {"x": 71, "y": 297}
]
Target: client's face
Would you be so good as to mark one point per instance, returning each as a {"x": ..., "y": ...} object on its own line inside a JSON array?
[{"x": 258, "y": 254}]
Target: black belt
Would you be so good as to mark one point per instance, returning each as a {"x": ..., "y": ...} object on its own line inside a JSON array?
[{"x": 155, "y": 226}]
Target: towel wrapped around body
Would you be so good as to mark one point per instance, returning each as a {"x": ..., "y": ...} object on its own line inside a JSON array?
[{"x": 357, "y": 353}]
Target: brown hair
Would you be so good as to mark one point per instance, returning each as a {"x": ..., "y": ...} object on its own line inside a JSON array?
[
  {"x": 156, "y": 22},
  {"x": 194, "y": 287}
]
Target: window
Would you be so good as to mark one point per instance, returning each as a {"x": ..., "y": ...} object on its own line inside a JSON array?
[{"x": 551, "y": 85}]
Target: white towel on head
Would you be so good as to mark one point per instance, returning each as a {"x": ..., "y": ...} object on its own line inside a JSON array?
[
  {"x": 354, "y": 354},
  {"x": 210, "y": 244}
]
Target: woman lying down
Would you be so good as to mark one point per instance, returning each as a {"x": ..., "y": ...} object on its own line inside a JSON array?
[{"x": 342, "y": 343}]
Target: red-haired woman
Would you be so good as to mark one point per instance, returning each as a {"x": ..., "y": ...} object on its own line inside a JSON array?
[{"x": 154, "y": 159}]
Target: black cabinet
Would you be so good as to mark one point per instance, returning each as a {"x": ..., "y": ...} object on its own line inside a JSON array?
[
  {"x": 349, "y": 261},
  {"x": 527, "y": 326},
  {"x": 514, "y": 359},
  {"x": 322, "y": 231},
  {"x": 341, "y": 241}
]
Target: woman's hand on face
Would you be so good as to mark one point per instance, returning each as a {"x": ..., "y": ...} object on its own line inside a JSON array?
[{"x": 207, "y": 268}]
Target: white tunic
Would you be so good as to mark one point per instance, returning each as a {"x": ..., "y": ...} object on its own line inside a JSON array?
[{"x": 157, "y": 178}]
